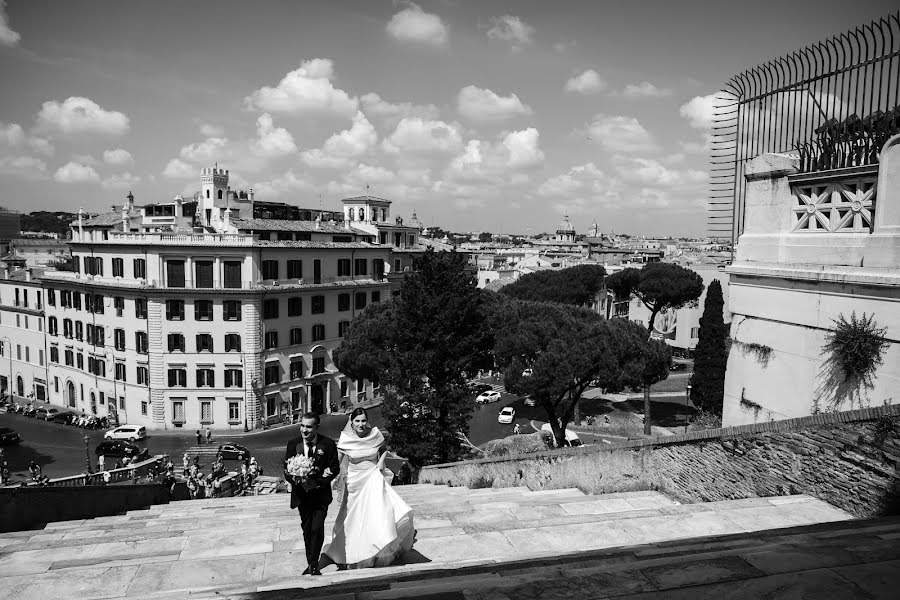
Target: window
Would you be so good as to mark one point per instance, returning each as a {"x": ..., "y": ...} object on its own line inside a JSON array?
[
  {"x": 38, "y": 294},
  {"x": 397, "y": 264},
  {"x": 296, "y": 368},
  {"x": 203, "y": 273},
  {"x": 345, "y": 389},
  {"x": 203, "y": 310},
  {"x": 175, "y": 310},
  {"x": 51, "y": 297},
  {"x": 206, "y": 377},
  {"x": 270, "y": 404},
  {"x": 140, "y": 308},
  {"x": 360, "y": 300},
  {"x": 270, "y": 308},
  {"x": 234, "y": 378},
  {"x": 119, "y": 339},
  {"x": 99, "y": 337},
  {"x": 342, "y": 328},
  {"x": 695, "y": 332},
  {"x": 119, "y": 305},
  {"x": 176, "y": 342},
  {"x": 140, "y": 268},
  {"x": 295, "y": 269},
  {"x": 318, "y": 365},
  {"x": 234, "y": 413},
  {"x": 54, "y": 354},
  {"x": 360, "y": 266},
  {"x": 343, "y": 302},
  {"x": 67, "y": 328},
  {"x": 98, "y": 304},
  {"x": 231, "y": 310},
  {"x": 89, "y": 303},
  {"x": 52, "y": 326},
  {"x": 70, "y": 358},
  {"x": 204, "y": 342},
  {"x": 295, "y": 306},
  {"x": 343, "y": 267},
  {"x": 376, "y": 296},
  {"x": 318, "y": 332},
  {"x": 232, "y": 273},
  {"x": 40, "y": 357},
  {"x": 270, "y": 269},
  {"x": 271, "y": 340},
  {"x": 272, "y": 373},
  {"x": 144, "y": 407},
  {"x": 296, "y": 336},
  {"x": 175, "y": 273},
  {"x": 118, "y": 266},
  {"x": 120, "y": 371},
  {"x": 97, "y": 366},
  {"x": 177, "y": 377},
  {"x": 143, "y": 375},
  {"x": 378, "y": 268},
  {"x": 318, "y": 305},
  {"x": 79, "y": 360},
  {"x": 206, "y": 414},
  {"x": 178, "y": 411},
  {"x": 76, "y": 300},
  {"x": 140, "y": 342},
  {"x": 232, "y": 342},
  {"x": 79, "y": 331}
]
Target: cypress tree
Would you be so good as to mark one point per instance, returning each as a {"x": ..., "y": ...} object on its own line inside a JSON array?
[{"x": 710, "y": 356}]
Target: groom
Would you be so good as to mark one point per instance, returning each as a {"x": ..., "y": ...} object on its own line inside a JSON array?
[{"x": 313, "y": 496}]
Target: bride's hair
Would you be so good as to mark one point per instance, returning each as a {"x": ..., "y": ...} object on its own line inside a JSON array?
[{"x": 359, "y": 411}]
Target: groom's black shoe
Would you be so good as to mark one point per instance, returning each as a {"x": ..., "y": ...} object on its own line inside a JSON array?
[
  {"x": 316, "y": 571},
  {"x": 306, "y": 571}
]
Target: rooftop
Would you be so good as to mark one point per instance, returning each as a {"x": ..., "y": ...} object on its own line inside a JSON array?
[{"x": 285, "y": 225}]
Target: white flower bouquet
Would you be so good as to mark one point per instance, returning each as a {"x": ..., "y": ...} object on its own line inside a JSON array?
[{"x": 300, "y": 466}]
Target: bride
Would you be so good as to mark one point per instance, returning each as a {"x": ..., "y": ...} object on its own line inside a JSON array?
[{"x": 374, "y": 525}]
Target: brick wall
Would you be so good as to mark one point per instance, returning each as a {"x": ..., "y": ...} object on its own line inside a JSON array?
[{"x": 848, "y": 459}]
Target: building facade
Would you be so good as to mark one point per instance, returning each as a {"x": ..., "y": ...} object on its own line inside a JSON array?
[{"x": 23, "y": 353}]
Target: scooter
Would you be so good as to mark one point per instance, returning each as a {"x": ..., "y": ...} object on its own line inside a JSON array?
[{"x": 29, "y": 411}]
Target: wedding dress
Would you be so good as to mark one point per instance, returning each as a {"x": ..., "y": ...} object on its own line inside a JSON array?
[{"x": 374, "y": 526}]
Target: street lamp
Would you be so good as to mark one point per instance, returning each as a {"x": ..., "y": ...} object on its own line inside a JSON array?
[{"x": 87, "y": 454}]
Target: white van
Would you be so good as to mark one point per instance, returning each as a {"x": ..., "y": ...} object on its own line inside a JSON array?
[
  {"x": 572, "y": 438},
  {"x": 126, "y": 432}
]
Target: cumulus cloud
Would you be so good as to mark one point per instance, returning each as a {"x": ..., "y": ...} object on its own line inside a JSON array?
[
  {"x": 8, "y": 37},
  {"x": 699, "y": 111},
  {"x": 210, "y": 130},
  {"x": 649, "y": 172},
  {"x": 620, "y": 134},
  {"x": 587, "y": 82},
  {"x": 512, "y": 30},
  {"x": 645, "y": 89},
  {"x": 41, "y": 145},
  {"x": 120, "y": 181},
  {"x": 414, "y": 135},
  {"x": 26, "y": 167},
  {"x": 75, "y": 172},
  {"x": 11, "y": 134},
  {"x": 563, "y": 47},
  {"x": 412, "y": 24},
  {"x": 178, "y": 169},
  {"x": 118, "y": 157},
  {"x": 306, "y": 90},
  {"x": 499, "y": 161},
  {"x": 523, "y": 148},
  {"x": 578, "y": 181},
  {"x": 376, "y": 107},
  {"x": 284, "y": 185},
  {"x": 207, "y": 152},
  {"x": 272, "y": 142},
  {"x": 343, "y": 147},
  {"x": 484, "y": 105},
  {"x": 77, "y": 115}
]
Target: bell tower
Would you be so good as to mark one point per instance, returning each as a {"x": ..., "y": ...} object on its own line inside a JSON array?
[{"x": 213, "y": 192}]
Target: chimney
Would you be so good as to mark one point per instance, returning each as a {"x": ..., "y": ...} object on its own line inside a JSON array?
[
  {"x": 250, "y": 195},
  {"x": 179, "y": 209},
  {"x": 27, "y": 274},
  {"x": 318, "y": 220},
  {"x": 130, "y": 204},
  {"x": 227, "y": 220},
  {"x": 5, "y": 273},
  {"x": 125, "y": 218},
  {"x": 80, "y": 223}
]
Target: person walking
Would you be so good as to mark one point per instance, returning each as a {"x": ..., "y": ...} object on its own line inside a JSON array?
[
  {"x": 311, "y": 492},
  {"x": 208, "y": 435},
  {"x": 516, "y": 429},
  {"x": 199, "y": 437},
  {"x": 101, "y": 462}
]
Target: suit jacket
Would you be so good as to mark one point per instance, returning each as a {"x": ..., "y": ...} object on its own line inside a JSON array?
[{"x": 326, "y": 457}]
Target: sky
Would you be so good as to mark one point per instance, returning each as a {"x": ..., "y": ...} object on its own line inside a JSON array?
[{"x": 480, "y": 115}]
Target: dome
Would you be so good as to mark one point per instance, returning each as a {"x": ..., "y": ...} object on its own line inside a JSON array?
[{"x": 565, "y": 226}]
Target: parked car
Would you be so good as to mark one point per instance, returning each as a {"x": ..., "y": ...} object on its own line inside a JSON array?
[
  {"x": 507, "y": 414},
  {"x": 120, "y": 449},
  {"x": 678, "y": 367},
  {"x": 234, "y": 451},
  {"x": 529, "y": 401},
  {"x": 9, "y": 436},
  {"x": 487, "y": 396},
  {"x": 126, "y": 432},
  {"x": 572, "y": 438},
  {"x": 64, "y": 417},
  {"x": 46, "y": 413}
]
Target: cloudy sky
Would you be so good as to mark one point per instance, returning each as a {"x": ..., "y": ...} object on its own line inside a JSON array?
[{"x": 497, "y": 115}]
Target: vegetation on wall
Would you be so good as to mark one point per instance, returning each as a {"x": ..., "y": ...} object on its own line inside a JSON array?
[
  {"x": 854, "y": 350},
  {"x": 761, "y": 353}
]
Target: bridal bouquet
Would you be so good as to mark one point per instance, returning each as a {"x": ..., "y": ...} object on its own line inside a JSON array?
[{"x": 300, "y": 466}]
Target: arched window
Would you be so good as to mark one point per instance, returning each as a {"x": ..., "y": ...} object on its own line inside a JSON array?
[
  {"x": 220, "y": 194},
  {"x": 362, "y": 214},
  {"x": 351, "y": 215},
  {"x": 207, "y": 193}
]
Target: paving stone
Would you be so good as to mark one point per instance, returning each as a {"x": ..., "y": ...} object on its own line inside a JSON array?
[
  {"x": 699, "y": 572},
  {"x": 878, "y": 579}
]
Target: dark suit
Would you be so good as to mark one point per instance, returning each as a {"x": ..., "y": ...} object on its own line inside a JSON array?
[{"x": 313, "y": 504}]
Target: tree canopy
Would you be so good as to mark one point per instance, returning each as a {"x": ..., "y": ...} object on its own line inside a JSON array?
[
  {"x": 564, "y": 348},
  {"x": 659, "y": 286},
  {"x": 710, "y": 355},
  {"x": 424, "y": 346},
  {"x": 576, "y": 285}
]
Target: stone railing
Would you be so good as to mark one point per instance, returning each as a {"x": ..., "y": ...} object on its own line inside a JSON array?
[
  {"x": 133, "y": 472},
  {"x": 848, "y": 459},
  {"x": 169, "y": 239},
  {"x": 840, "y": 201}
]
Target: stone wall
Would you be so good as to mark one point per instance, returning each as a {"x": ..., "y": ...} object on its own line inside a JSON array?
[{"x": 848, "y": 459}]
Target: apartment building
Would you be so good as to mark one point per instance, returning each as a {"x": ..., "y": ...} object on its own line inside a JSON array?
[
  {"x": 23, "y": 358},
  {"x": 183, "y": 315}
]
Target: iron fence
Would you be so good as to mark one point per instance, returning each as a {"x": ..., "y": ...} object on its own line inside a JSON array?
[{"x": 833, "y": 104}]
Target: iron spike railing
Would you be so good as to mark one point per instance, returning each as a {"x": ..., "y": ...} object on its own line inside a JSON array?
[{"x": 833, "y": 104}]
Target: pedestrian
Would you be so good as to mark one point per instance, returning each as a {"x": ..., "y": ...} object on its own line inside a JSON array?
[
  {"x": 516, "y": 429},
  {"x": 118, "y": 464},
  {"x": 199, "y": 437},
  {"x": 184, "y": 464},
  {"x": 101, "y": 462},
  {"x": 208, "y": 435},
  {"x": 192, "y": 488},
  {"x": 35, "y": 470},
  {"x": 219, "y": 455}
]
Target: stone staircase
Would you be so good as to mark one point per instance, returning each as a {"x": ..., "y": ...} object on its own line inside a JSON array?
[{"x": 484, "y": 543}]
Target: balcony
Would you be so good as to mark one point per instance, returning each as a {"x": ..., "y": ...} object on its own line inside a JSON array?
[{"x": 171, "y": 239}]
